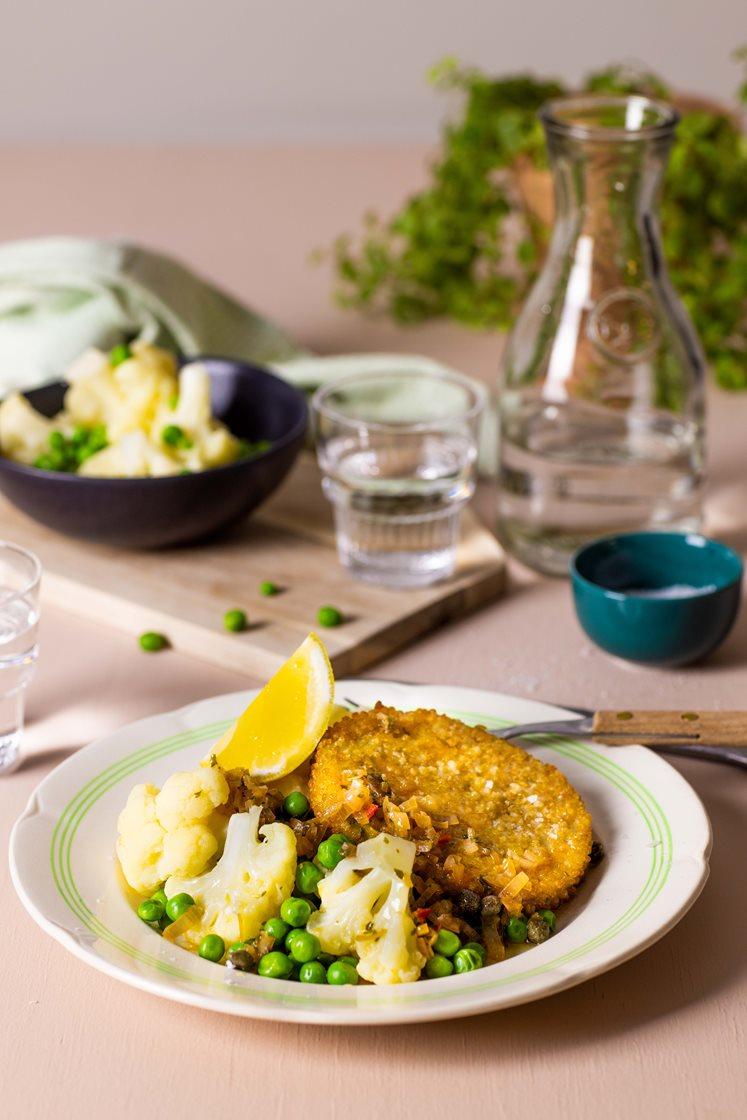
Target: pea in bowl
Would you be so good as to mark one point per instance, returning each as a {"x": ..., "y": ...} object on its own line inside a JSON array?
[{"x": 265, "y": 413}]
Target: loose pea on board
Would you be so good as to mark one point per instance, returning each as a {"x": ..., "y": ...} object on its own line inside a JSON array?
[
  {"x": 329, "y": 616},
  {"x": 235, "y": 620},
  {"x": 152, "y": 642}
]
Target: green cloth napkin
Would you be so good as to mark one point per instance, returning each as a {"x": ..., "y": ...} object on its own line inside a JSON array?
[{"x": 59, "y": 295}]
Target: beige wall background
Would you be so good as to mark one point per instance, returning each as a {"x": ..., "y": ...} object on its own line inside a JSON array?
[{"x": 319, "y": 70}]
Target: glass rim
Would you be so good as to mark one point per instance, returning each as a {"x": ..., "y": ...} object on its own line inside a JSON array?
[
  {"x": 477, "y": 391},
  {"x": 10, "y": 593},
  {"x": 550, "y": 115}
]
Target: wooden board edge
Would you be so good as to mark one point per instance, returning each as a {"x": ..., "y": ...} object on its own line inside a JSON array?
[
  {"x": 99, "y": 606},
  {"x": 461, "y": 601}
]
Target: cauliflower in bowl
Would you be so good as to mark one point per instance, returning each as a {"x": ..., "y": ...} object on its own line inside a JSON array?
[{"x": 127, "y": 414}]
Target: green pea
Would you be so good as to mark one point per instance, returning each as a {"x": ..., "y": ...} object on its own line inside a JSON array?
[
  {"x": 308, "y": 877},
  {"x": 175, "y": 436},
  {"x": 296, "y": 805},
  {"x": 177, "y": 905},
  {"x": 212, "y": 947},
  {"x": 267, "y": 587},
  {"x": 276, "y": 965},
  {"x": 151, "y": 641},
  {"x": 296, "y": 912},
  {"x": 478, "y": 948},
  {"x": 467, "y": 960},
  {"x": 172, "y": 435},
  {"x": 304, "y": 946},
  {"x": 549, "y": 917},
  {"x": 150, "y": 910},
  {"x": 349, "y": 960},
  {"x": 312, "y": 972},
  {"x": 438, "y": 966},
  {"x": 516, "y": 930},
  {"x": 237, "y": 946},
  {"x": 341, "y": 972},
  {"x": 329, "y": 616},
  {"x": 447, "y": 943},
  {"x": 119, "y": 354},
  {"x": 97, "y": 441},
  {"x": 235, "y": 620},
  {"x": 57, "y": 441},
  {"x": 329, "y": 852},
  {"x": 160, "y": 896},
  {"x": 249, "y": 449},
  {"x": 276, "y": 928},
  {"x": 44, "y": 463}
]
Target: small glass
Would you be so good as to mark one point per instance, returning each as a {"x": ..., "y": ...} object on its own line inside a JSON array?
[
  {"x": 398, "y": 452},
  {"x": 20, "y": 576}
]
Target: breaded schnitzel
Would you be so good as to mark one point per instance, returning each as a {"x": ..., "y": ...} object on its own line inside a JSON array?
[{"x": 498, "y": 819}]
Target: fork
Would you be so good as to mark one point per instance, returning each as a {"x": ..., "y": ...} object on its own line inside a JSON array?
[{"x": 713, "y": 736}]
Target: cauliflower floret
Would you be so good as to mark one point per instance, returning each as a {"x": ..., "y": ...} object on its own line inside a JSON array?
[
  {"x": 365, "y": 908},
  {"x": 131, "y": 456},
  {"x": 348, "y": 905},
  {"x": 217, "y": 446},
  {"x": 174, "y": 832},
  {"x": 24, "y": 432},
  {"x": 193, "y": 412},
  {"x": 191, "y": 795},
  {"x": 388, "y": 952},
  {"x": 248, "y": 884},
  {"x": 126, "y": 397},
  {"x": 92, "y": 361},
  {"x": 140, "y": 840}
]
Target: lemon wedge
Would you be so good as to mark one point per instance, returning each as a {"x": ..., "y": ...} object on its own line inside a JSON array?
[{"x": 282, "y": 726}]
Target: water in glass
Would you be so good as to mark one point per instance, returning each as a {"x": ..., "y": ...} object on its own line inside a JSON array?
[
  {"x": 19, "y": 619},
  {"x": 398, "y": 458}
]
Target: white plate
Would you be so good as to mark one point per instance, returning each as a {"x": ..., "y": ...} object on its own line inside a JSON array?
[{"x": 654, "y": 829}]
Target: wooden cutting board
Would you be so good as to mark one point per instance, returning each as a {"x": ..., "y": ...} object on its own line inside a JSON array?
[{"x": 185, "y": 592}]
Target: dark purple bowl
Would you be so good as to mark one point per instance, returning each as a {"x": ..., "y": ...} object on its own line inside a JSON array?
[{"x": 156, "y": 512}]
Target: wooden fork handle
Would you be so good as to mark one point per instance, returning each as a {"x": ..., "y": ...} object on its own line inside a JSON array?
[{"x": 728, "y": 729}]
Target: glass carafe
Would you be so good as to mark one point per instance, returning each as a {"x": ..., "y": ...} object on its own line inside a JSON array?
[{"x": 601, "y": 402}]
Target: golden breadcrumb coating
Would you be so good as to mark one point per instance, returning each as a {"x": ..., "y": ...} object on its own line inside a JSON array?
[{"x": 501, "y": 811}]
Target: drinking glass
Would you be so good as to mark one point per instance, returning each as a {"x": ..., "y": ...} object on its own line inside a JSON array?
[
  {"x": 397, "y": 453},
  {"x": 20, "y": 576}
]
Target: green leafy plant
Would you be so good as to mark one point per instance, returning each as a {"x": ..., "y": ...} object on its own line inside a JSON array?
[{"x": 446, "y": 253}]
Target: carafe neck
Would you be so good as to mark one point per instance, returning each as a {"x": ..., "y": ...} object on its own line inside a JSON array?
[{"x": 608, "y": 157}]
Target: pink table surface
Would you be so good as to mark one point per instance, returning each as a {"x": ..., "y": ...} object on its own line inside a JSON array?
[{"x": 663, "y": 1035}]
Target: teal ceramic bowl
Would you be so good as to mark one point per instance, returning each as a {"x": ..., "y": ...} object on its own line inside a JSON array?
[{"x": 657, "y": 598}]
